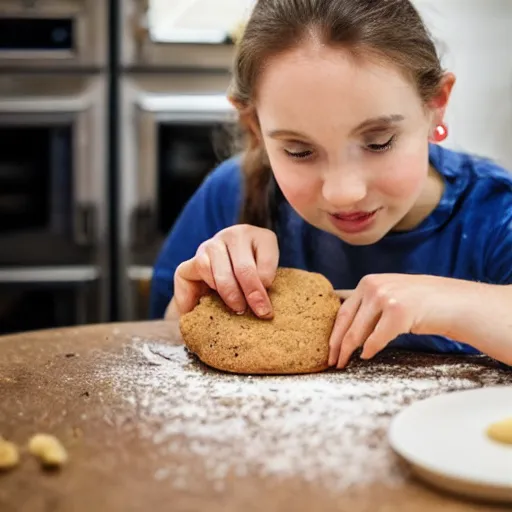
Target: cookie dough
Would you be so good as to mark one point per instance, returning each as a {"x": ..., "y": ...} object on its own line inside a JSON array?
[
  {"x": 48, "y": 449},
  {"x": 9, "y": 455},
  {"x": 295, "y": 341},
  {"x": 501, "y": 431}
]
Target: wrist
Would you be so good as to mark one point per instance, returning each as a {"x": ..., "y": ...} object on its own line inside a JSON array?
[{"x": 452, "y": 308}]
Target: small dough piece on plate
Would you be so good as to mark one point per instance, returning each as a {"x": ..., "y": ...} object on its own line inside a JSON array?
[
  {"x": 295, "y": 341},
  {"x": 501, "y": 431}
]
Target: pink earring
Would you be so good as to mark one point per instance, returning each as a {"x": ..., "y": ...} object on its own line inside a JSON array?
[{"x": 440, "y": 132}]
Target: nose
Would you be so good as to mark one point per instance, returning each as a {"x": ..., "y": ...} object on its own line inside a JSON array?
[{"x": 343, "y": 188}]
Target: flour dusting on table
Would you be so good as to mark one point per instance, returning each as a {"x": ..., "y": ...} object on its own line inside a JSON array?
[{"x": 328, "y": 428}]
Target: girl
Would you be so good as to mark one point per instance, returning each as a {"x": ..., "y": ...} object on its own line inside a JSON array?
[{"x": 342, "y": 103}]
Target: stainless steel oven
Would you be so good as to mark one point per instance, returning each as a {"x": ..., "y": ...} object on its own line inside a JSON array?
[
  {"x": 53, "y": 33},
  {"x": 178, "y": 137},
  {"x": 181, "y": 33},
  {"x": 53, "y": 230},
  {"x": 52, "y": 132}
]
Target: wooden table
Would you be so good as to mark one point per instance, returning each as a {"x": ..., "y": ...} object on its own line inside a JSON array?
[{"x": 143, "y": 423}]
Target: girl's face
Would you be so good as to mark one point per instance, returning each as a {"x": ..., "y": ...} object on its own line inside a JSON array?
[{"x": 347, "y": 141}]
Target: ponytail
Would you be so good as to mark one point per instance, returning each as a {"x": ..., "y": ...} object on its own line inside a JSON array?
[
  {"x": 261, "y": 194},
  {"x": 257, "y": 184}
]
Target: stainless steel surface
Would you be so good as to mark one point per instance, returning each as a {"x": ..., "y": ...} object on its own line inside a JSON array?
[
  {"x": 33, "y": 100},
  {"x": 188, "y": 107},
  {"x": 140, "y": 273},
  {"x": 48, "y": 275},
  {"x": 89, "y": 18}
]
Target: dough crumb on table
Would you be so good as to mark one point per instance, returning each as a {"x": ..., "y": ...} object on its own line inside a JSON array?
[
  {"x": 9, "y": 455},
  {"x": 48, "y": 449},
  {"x": 501, "y": 431}
]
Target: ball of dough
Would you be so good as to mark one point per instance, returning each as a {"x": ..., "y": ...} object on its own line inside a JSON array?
[
  {"x": 295, "y": 341},
  {"x": 501, "y": 431}
]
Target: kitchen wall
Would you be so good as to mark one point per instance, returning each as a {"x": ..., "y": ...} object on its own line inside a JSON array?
[{"x": 475, "y": 40}]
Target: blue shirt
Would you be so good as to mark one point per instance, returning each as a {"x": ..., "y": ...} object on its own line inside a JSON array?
[{"x": 468, "y": 236}]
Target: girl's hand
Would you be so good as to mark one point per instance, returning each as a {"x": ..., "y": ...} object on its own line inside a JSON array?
[
  {"x": 384, "y": 306},
  {"x": 239, "y": 262}
]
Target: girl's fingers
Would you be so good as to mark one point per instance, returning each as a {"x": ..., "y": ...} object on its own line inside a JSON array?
[
  {"x": 249, "y": 280},
  {"x": 362, "y": 326},
  {"x": 203, "y": 266},
  {"x": 390, "y": 325},
  {"x": 189, "y": 287},
  {"x": 239, "y": 263},
  {"x": 266, "y": 254},
  {"x": 346, "y": 315},
  {"x": 226, "y": 283}
]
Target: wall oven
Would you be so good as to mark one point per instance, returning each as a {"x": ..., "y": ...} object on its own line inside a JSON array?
[
  {"x": 178, "y": 137},
  {"x": 52, "y": 197},
  {"x": 52, "y": 132},
  {"x": 191, "y": 34},
  {"x": 53, "y": 33}
]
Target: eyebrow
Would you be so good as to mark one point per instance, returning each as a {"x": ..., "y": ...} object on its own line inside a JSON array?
[{"x": 381, "y": 121}]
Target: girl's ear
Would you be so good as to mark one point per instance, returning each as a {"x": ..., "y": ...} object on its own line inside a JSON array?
[
  {"x": 440, "y": 101},
  {"x": 248, "y": 119},
  {"x": 236, "y": 103}
]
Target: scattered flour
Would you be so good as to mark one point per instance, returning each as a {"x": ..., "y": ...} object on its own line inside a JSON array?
[{"x": 328, "y": 428}]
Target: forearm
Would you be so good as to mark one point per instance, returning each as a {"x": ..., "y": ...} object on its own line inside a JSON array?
[{"x": 481, "y": 316}]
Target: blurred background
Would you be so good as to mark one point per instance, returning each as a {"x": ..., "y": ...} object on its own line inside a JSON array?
[{"x": 110, "y": 117}]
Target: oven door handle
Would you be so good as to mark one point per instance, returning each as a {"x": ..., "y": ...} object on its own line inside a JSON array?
[
  {"x": 144, "y": 229},
  {"x": 88, "y": 187},
  {"x": 85, "y": 223},
  {"x": 143, "y": 225}
]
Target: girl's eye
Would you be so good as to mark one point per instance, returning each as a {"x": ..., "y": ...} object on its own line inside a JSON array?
[
  {"x": 381, "y": 147},
  {"x": 300, "y": 155}
]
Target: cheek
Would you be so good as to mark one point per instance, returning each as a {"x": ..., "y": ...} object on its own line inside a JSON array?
[
  {"x": 299, "y": 187},
  {"x": 404, "y": 178}
]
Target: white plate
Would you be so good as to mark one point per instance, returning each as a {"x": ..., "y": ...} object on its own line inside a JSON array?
[{"x": 444, "y": 439}]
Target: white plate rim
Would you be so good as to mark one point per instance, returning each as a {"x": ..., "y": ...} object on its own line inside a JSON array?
[{"x": 396, "y": 445}]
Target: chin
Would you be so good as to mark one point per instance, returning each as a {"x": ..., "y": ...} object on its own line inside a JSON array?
[{"x": 361, "y": 238}]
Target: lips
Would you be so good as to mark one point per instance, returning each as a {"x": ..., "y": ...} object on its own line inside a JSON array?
[
  {"x": 353, "y": 222},
  {"x": 355, "y": 216}
]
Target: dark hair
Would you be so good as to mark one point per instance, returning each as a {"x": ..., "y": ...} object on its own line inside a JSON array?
[{"x": 391, "y": 30}]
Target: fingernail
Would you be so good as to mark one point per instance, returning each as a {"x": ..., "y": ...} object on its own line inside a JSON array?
[
  {"x": 262, "y": 311},
  {"x": 260, "y": 305}
]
